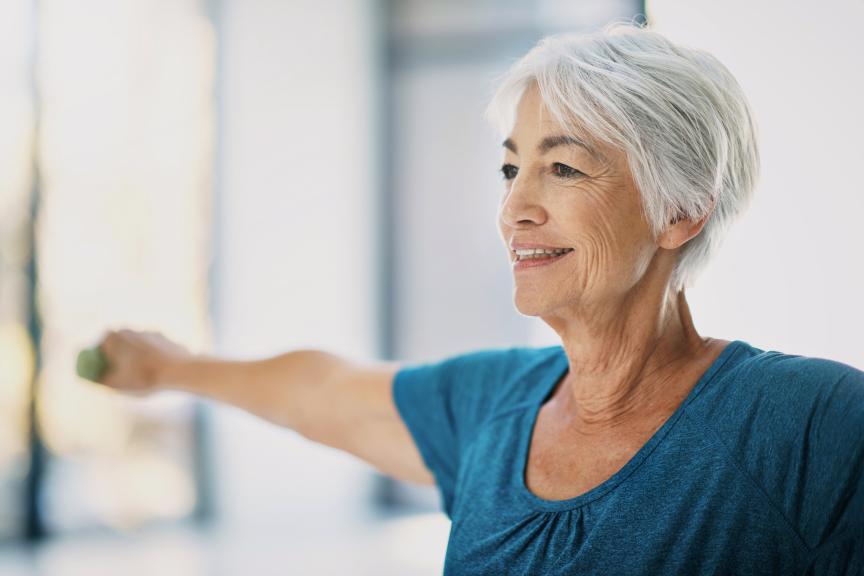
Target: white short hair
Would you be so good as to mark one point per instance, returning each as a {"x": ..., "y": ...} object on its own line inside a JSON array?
[{"x": 678, "y": 114}]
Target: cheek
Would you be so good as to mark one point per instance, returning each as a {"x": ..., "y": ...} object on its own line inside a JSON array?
[
  {"x": 610, "y": 242},
  {"x": 595, "y": 226}
]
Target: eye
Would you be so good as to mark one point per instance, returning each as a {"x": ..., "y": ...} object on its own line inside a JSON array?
[
  {"x": 509, "y": 171},
  {"x": 564, "y": 171}
]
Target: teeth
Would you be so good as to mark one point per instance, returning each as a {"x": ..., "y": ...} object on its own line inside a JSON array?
[
  {"x": 530, "y": 251},
  {"x": 522, "y": 254}
]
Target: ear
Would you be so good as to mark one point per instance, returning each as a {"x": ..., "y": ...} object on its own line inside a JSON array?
[{"x": 680, "y": 230}]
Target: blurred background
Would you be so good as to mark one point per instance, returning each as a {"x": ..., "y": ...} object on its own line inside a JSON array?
[{"x": 250, "y": 177}]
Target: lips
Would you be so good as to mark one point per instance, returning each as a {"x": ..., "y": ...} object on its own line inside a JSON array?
[
  {"x": 536, "y": 262},
  {"x": 525, "y": 253},
  {"x": 524, "y": 245},
  {"x": 522, "y": 254}
]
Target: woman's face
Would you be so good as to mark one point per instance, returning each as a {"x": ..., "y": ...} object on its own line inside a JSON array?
[{"x": 560, "y": 194}]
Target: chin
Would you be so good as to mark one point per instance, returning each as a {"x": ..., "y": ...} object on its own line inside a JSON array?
[{"x": 530, "y": 306}]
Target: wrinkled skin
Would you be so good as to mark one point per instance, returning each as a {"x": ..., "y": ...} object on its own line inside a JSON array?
[{"x": 632, "y": 345}]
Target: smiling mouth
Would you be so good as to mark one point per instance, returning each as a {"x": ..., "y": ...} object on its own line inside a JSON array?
[{"x": 540, "y": 254}]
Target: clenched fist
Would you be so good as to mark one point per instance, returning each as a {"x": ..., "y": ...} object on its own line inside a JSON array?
[{"x": 137, "y": 361}]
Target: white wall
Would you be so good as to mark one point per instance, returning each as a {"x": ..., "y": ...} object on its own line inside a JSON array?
[
  {"x": 455, "y": 287},
  {"x": 296, "y": 265},
  {"x": 791, "y": 274}
]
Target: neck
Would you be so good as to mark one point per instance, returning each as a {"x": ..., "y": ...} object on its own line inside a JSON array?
[{"x": 629, "y": 361}]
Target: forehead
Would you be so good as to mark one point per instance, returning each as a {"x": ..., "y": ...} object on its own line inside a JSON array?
[
  {"x": 531, "y": 112},
  {"x": 535, "y": 125}
]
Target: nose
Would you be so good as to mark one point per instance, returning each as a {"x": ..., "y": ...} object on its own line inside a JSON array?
[{"x": 521, "y": 206}]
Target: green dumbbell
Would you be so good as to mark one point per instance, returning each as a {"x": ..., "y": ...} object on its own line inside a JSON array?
[{"x": 92, "y": 364}]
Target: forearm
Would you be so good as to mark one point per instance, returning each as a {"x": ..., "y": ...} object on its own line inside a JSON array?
[{"x": 289, "y": 389}]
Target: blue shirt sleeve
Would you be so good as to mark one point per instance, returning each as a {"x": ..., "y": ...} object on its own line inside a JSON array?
[
  {"x": 802, "y": 437},
  {"x": 832, "y": 494},
  {"x": 444, "y": 403},
  {"x": 795, "y": 425}
]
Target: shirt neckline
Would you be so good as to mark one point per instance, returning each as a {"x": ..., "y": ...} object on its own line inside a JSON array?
[{"x": 557, "y": 371}]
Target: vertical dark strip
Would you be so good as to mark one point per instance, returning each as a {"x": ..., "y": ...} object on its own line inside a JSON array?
[
  {"x": 34, "y": 524},
  {"x": 382, "y": 126},
  {"x": 204, "y": 467},
  {"x": 205, "y": 509}
]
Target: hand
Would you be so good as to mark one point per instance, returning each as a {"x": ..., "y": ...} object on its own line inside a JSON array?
[{"x": 137, "y": 361}]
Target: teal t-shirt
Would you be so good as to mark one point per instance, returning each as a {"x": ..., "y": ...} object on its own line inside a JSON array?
[{"x": 760, "y": 470}]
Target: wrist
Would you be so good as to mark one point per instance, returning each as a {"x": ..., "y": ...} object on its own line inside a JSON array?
[{"x": 173, "y": 373}]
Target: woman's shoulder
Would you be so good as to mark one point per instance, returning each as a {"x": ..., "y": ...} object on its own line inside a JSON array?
[
  {"x": 768, "y": 394},
  {"x": 796, "y": 424},
  {"x": 772, "y": 378},
  {"x": 489, "y": 380},
  {"x": 489, "y": 365},
  {"x": 798, "y": 377},
  {"x": 511, "y": 357}
]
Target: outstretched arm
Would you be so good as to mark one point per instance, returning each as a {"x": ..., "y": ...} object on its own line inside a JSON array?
[{"x": 325, "y": 398}]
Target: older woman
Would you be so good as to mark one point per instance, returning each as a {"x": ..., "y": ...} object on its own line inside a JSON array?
[{"x": 637, "y": 446}]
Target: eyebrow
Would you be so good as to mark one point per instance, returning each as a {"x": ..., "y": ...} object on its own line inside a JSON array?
[{"x": 551, "y": 142}]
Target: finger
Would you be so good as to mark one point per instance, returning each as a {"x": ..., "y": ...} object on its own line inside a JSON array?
[
  {"x": 108, "y": 345},
  {"x": 107, "y": 379}
]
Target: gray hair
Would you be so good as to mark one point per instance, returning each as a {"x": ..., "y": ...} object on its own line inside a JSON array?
[{"x": 677, "y": 113}]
